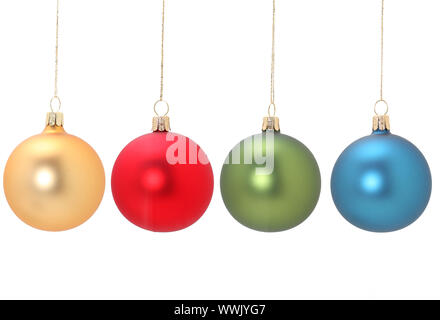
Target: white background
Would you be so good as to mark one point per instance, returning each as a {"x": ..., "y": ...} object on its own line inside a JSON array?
[{"x": 217, "y": 84}]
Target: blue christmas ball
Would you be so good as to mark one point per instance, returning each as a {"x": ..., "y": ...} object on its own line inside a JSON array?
[{"x": 381, "y": 182}]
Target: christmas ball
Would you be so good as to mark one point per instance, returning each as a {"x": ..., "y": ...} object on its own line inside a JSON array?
[
  {"x": 381, "y": 182},
  {"x": 270, "y": 182},
  {"x": 54, "y": 181},
  {"x": 162, "y": 181}
]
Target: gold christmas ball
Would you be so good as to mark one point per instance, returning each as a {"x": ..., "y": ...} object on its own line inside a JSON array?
[{"x": 54, "y": 181}]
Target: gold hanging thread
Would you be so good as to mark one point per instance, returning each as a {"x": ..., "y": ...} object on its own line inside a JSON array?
[
  {"x": 271, "y": 122},
  {"x": 381, "y": 121},
  {"x": 55, "y": 117},
  {"x": 161, "y": 122}
]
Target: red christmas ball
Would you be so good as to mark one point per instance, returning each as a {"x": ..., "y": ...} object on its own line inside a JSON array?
[{"x": 162, "y": 181}]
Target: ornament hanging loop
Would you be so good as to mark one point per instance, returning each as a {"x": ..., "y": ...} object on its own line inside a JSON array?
[
  {"x": 381, "y": 101},
  {"x": 161, "y": 102},
  {"x": 55, "y": 104},
  {"x": 271, "y": 108}
]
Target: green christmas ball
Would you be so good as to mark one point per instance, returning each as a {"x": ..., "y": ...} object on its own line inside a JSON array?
[{"x": 270, "y": 182}]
